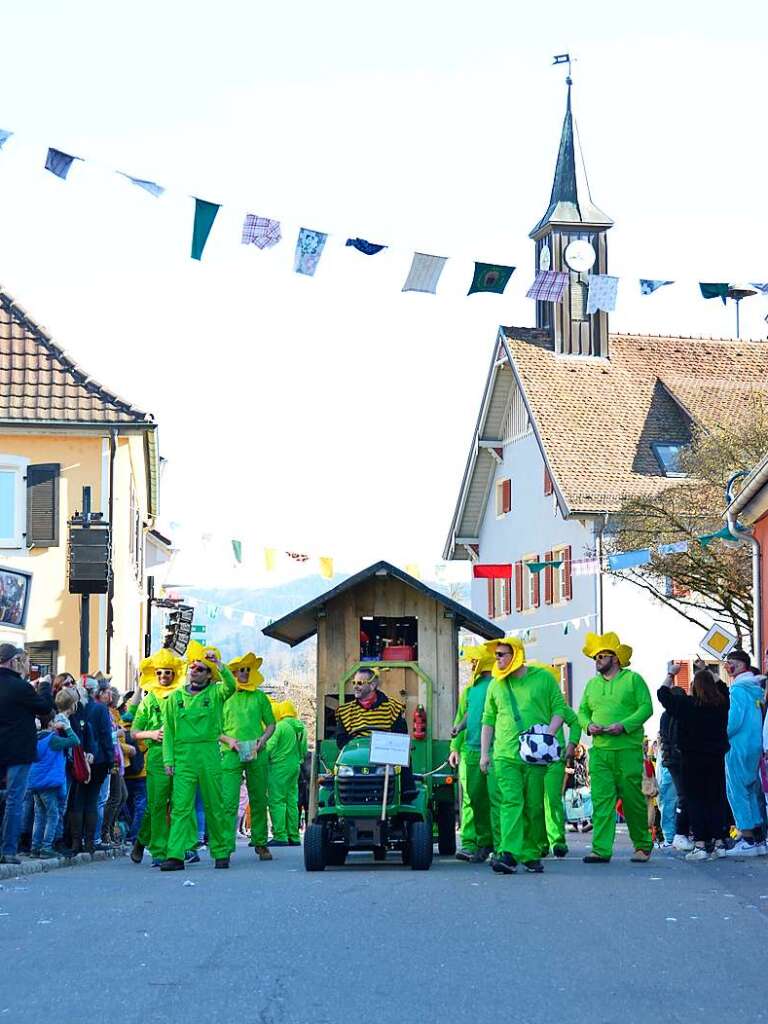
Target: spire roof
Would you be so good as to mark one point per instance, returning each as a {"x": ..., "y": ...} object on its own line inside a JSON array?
[{"x": 570, "y": 202}]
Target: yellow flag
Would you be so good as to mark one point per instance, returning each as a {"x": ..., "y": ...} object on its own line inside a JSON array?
[
  {"x": 413, "y": 570},
  {"x": 326, "y": 568},
  {"x": 270, "y": 559}
]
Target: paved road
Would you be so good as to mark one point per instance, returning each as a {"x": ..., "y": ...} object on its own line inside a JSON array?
[{"x": 269, "y": 944}]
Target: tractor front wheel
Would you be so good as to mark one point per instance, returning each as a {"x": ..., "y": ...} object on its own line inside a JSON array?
[
  {"x": 314, "y": 848},
  {"x": 421, "y": 843}
]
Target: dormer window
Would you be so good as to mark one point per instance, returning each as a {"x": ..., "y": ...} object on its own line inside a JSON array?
[{"x": 668, "y": 456}]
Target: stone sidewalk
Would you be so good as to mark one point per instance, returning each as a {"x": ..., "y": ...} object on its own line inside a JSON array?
[{"x": 33, "y": 866}]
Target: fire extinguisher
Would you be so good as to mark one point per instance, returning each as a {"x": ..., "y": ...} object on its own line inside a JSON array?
[{"x": 420, "y": 723}]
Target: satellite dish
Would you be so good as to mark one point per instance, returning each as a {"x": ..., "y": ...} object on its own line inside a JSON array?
[{"x": 580, "y": 256}]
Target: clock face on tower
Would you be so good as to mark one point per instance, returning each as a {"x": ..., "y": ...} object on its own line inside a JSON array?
[
  {"x": 545, "y": 258},
  {"x": 580, "y": 256}
]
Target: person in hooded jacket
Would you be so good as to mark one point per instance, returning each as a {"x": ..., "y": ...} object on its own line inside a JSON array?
[
  {"x": 674, "y": 806},
  {"x": 286, "y": 749},
  {"x": 742, "y": 762}
]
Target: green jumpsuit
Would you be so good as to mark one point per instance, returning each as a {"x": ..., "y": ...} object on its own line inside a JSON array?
[
  {"x": 616, "y": 762},
  {"x": 192, "y": 724},
  {"x": 286, "y": 749},
  {"x": 553, "y": 786},
  {"x": 154, "y": 826},
  {"x": 537, "y": 698},
  {"x": 479, "y": 792},
  {"x": 247, "y": 714}
]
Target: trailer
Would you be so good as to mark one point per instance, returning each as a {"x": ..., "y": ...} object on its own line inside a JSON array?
[{"x": 383, "y": 618}]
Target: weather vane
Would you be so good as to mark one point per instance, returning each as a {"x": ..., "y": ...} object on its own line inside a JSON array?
[{"x": 564, "y": 58}]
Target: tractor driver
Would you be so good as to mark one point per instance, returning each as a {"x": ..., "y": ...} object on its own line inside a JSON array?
[{"x": 370, "y": 709}]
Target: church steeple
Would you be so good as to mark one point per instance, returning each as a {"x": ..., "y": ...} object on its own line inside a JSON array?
[{"x": 572, "y": 216}]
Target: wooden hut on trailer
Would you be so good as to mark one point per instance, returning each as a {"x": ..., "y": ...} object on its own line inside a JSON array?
[{"x": 385, "y": 618}]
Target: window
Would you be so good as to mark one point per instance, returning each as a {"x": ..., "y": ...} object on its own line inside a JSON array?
[
  {"x": 562, "y": 577},
  {"x": 135, "y": 535},
  {"x": 563, "y": 666},
  {"x": 675, "y": 589},
  {"x": 12, "y": 501},
  {"x": 499, "y": 598},
  {"x": 668, "y": 457},
  {"x": 503, "y": 497},
  {"x": 529, "y": 585},
  {"x": 45, "y": 656},
  {"x": 578, "y": 300}
]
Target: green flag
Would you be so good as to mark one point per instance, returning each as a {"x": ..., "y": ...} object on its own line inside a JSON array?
[
  {"x": 490, "y": 277},
  {"x": 237, "y": 548},
  {"x": 205, "y": 215},
  {"x": 714, "y": 291}
]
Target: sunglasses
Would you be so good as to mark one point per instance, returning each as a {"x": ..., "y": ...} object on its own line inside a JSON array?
[{"x": 163, "y": 671}]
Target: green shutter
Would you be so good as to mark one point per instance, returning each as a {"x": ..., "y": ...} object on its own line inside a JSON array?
[{"x": 43, "y": 505}]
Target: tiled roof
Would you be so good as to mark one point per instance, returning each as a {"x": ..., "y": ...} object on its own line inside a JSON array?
[
  {"x": 597, "y": 418},
  {"x": 40, "y": 383}
]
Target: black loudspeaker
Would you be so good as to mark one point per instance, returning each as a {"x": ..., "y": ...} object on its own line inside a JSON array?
[{"x": 90, "y": 559}]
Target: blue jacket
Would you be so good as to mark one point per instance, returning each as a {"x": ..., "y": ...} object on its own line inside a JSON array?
[
  {"x": 745, "y": 720},
  {"x": 49, "y": 771},
  {"x": 99, "y": 740}
]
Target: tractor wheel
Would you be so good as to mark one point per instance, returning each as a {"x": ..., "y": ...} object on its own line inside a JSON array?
[
  {"x": 421, "y": 843},
  {"x": 314, "y": 848},
  {"x": 336, "y": 855},
  {"x": 379, "y": 853},
  {"x": 446, "y": 829}
]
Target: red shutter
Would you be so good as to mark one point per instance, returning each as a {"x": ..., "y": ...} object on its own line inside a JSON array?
[
  {"x": 567, "y": 574},
  {"x": 506, "y": 496},
  {"x": 683, "y": 677},
  {"x": 548, "y": 596},
  {"x": 566, "y": 681},
  {"x": 507, "y": 597},
  {"x": 679, "y": 590},
  {"x": 536, "y": 586},
  {"x": 519, "y": 586},
  {"x": 548, "y": 488},
  {"x": 491, "y": 601}
]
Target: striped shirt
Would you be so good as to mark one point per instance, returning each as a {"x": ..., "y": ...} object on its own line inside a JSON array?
[{"x": 353, "y": 719}]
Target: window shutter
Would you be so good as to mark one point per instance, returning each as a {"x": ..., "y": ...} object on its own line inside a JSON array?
[
  {"x": 519, "y": 586},
  {"x": 43, "y": 505},
  {"x": 566, "y": 680},
  {"x": 506, "y": 496},
  {"x": 548, "y": 596},
  {"x": 548, "y": 488},
  {"x": 567, "y": 570},
  {"x": 678, "y": 589},
  {"x": 536, "y": 587},
  {"x": 491, "y": 602},
  {"x": 507, "y": 597},
  {"x": 683, "y": 677}
]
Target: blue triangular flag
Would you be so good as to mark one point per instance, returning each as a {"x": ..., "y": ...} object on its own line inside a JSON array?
[
  {"x": 369, "y": 248},
  {"x": 4, "y": 136},
  {"x": 762, "y": 286},
  {"x": 629, "y": 559},
  {"x": 59, "y": 163},
  {"x": 649, "y": 285},
  {"x": 148, "y": 186}
]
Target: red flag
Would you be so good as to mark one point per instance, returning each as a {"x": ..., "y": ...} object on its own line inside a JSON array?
[{"x": 492, "y": 572}]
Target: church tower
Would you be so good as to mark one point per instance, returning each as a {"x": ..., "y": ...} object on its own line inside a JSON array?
[{"x": 571, "y": 237}]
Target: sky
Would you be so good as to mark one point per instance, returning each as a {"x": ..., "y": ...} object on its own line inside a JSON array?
[{"x": 332, "y": 415}]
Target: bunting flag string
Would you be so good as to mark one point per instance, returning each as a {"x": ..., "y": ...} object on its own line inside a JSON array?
[{"x": 426, "y": 270}]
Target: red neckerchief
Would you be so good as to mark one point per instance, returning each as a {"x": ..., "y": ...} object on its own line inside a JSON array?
[{"x": 369, "y": 701}]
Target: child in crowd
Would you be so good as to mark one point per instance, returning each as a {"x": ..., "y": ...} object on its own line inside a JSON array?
[{"x": 47, "y": 777}]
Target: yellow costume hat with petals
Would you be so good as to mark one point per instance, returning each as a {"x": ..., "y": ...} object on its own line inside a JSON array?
[
  {"x": 253, "y": 664},
  {"x": 286, "y": 709},
  {"x": 196, "y": 651},
  {"x": 518, "y": 655},
  {"x": 161, "y": 659},
  {"x": 554, "y": 672},
  {"x": 594, "y": 644},
  {"x": 482, "y": 657}
]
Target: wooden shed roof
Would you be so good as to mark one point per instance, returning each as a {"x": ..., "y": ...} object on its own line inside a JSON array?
[{"x": 299, "y": 625}]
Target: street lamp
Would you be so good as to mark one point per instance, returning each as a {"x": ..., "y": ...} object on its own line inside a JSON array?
[{"x": 737, "y": 292}]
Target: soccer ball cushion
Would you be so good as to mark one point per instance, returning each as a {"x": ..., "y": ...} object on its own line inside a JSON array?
[{"x": 537, "y": 746}]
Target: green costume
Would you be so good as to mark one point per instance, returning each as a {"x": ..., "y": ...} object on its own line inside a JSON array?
[
  {"x": 247, "y": 714},
  {"x": 512, "y": 706},
  {"x": 479, "y": 792},
  {"x": 616, "y": 762},
  {"x": 554, "y": 811},
  {"x": 286, "y": 749},
  {"x": 192, "y": 724}
]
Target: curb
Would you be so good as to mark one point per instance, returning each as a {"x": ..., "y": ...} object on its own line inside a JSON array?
[{"x": 36, "y": 867}]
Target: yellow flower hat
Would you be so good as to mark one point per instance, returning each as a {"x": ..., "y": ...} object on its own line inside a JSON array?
[
  {"x": 518, "y": 655},
  {"x": 161, "y": 659},
  {"x": 253, "y": 664},
  {"x": 554, "y": 672},
  {"x": 594, "y": 643},
  {"x": 196, "y": 651},
  {"x": 286, "y": 709},
  {"x": 481, "y": 655}
]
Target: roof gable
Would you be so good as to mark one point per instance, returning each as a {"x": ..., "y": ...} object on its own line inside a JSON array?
[{"x": 39, "y": 383}]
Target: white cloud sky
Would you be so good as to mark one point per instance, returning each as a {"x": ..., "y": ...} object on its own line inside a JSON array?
[{"x": 334, "y": 414}]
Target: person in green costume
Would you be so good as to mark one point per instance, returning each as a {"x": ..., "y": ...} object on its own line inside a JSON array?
[
  {"x": 160, "y": 675},
  {"x": 193, "y": 725},
  {"x": 286, "y": 750},
  {"x": 479, "y": 792},
  {"x": 519, "y": 697},
  {"x": 248, "y": 724},
  {"x": 613, "y": 710}
]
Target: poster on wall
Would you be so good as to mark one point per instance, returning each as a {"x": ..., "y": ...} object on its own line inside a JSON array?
[{"x": 15, "y": 587}]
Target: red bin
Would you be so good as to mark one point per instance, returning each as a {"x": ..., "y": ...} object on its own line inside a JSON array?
[{"x": 404, "y": 653}]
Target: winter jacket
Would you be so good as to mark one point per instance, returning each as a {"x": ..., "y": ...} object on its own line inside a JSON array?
[
  {"x": 99, "y": 740},
  {"x": 702, "y": 729},
  {"x": 670, "y": 744},
  {"x": 49, "y": 772},
  {"x": 20, "y": 703}
]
